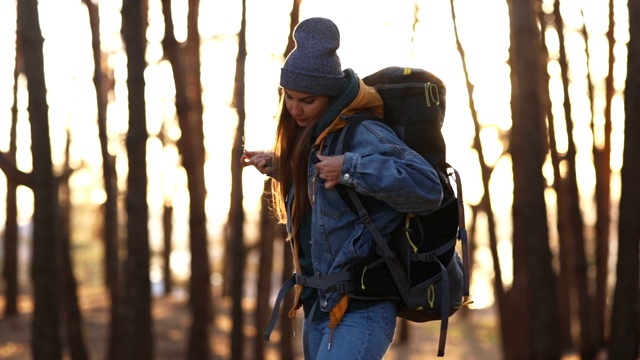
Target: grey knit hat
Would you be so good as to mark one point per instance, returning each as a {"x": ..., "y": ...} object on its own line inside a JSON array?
[{"x": 313, "y": 67}]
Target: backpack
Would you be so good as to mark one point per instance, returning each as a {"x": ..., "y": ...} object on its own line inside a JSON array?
[{"x": 420, "y": 267}]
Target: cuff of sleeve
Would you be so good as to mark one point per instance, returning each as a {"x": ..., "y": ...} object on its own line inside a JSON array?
[{"x": 347, "y": 172}]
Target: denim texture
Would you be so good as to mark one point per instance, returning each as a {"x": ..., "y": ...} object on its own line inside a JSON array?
[{"x": 363, "y": 334}]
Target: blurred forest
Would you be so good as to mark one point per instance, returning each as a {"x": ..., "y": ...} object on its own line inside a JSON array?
[{"x": 130, "y": 231}]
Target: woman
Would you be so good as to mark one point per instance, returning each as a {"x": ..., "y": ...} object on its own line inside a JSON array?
[{"x": 318, "y": 98}]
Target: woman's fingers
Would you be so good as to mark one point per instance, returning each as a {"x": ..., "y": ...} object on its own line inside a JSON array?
[
  {"x": 245, "y": 160},
  {"x": 329, "y": 168},
  {"x": 259, "y": 159}
]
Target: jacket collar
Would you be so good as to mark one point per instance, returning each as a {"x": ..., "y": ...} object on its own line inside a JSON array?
[{"x": 356, "y": 98}]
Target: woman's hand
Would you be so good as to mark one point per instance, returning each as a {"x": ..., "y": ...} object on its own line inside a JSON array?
[
  {"x": 329, "y": 168},
  {"x": 261, "y": 160}
]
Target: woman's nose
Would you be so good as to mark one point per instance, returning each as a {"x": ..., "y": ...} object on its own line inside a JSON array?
[{"x": 296, "y": 109}]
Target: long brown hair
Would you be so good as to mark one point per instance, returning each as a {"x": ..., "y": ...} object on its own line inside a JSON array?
[{"x": 290, "y": 160}]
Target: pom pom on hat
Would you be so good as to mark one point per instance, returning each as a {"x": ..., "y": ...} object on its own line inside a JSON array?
[{"x": 313, "y": 67}]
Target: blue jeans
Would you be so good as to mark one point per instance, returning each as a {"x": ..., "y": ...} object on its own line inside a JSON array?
[{"x": 362, "y": 334}]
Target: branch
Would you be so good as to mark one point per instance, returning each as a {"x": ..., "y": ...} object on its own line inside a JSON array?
[{"x": 8, "y": 166}]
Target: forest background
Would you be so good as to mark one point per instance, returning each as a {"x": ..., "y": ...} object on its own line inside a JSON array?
[{"x": 131, "y": 232}]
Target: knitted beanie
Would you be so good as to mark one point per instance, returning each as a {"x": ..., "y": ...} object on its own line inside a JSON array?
[{"x": 313, "y": 67}]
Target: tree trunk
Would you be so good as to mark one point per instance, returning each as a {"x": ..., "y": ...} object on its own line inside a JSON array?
[
  {"x": 46, "y": 342},
  {"x": 167, "y": 228},
  {"x": 70, "y": 309},
  {"x": 533, "y": 291},
  {"x": 625, "y": 317},
  {"x": 285, "y": 324},
  {"x": 236, "y": 211},
  {"x": 267, "y": 234},
  {"x": 10, "y": 267},
  {"x": 485, "y": 202},
  {"x": 403, "y": 331},
  {"x": 110, "y": 225},
  {"x": 565, "y": 285},
  {"x": 108, "y": 161},
  {"x": 571, "y": 214},
  {"x": 602, "y": 167},
  {"x": 201, "y": 300},
  {"x": 186, "y": 74},
  {"x": 136, "y": 338}
]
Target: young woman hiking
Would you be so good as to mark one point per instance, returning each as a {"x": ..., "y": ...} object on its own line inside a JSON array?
[{"x": 318, "y": 97}]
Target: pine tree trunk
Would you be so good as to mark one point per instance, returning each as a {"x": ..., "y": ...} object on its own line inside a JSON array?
[
  {"x": 185, "y": 63},
  {"x": 46, "y": 342},
  {"x": 285, "y": 324},
  {"x": 110, "y": 225},
  {"x": 167, "y": 229},
  {"x": 534, "y": 281},
  {"x": 236, "y": 211},
  {"x": 267, "y": 234},
  {"x": 70, "y": 309},
  {"x": 10, "y": 266},
  {"x": 602, "y": 167},
  {"x": 625, "y": 317},
  {"x": 137, "y": 337}
]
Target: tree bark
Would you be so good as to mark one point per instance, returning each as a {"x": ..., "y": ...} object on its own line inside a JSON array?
[
  {"x": 46, "y": 342},
  {"x": 579, "y": 302},
  {"x": 10, "y": 267},
  {"x": 110, "y": 178},
  {"x": 72, "y": 314},
  {"x": 485, "y": 202},
  {"x": 201, "y": 300},
  {"x": 136, "y": 333},
  {"x": 236, "y": 211},
  {"x": 186, "y": 73},
  {"x": 167, "y": 229},
  {"x": 286, "y": 324},
  {"x": 602, "y": 167},
  {"x": 625, "y": 317},
  {"x": 108, "y": 161},
  {"x": 569, "y": 210},
  {"x": 267, "y": 235},
  {"x": 533, "y": 292}
]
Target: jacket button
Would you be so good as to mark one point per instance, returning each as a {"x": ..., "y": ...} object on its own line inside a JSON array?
[
  {"x": 346, "y": 177},
  {"x": 323, "y": 303}
]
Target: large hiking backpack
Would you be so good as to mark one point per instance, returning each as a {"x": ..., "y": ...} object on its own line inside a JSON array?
[{"x": 420, "y": 267}]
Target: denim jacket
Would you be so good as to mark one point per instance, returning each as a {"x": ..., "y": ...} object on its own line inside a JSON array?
[{"x": 379, "y": 165}]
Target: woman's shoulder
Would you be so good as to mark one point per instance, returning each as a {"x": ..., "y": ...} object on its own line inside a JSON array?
[{"x": 375, "y": 127}]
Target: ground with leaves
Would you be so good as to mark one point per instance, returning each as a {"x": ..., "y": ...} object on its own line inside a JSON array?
[{"x": 471, "y": 336}]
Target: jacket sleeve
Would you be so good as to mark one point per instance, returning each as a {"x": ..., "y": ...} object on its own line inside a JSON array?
[{"x": 380, "y": 165}]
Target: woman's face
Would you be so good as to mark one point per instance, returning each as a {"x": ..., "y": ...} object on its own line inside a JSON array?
[{"x": 305, "y": 108}]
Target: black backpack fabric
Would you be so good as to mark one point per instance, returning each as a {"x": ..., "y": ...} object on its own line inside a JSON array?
[{"x": 420, "y": 267}]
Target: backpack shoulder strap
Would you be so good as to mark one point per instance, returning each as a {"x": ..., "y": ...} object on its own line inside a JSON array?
[
  {"x": 339, "y": 145},
  {"x": 343, "y": 137}
]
